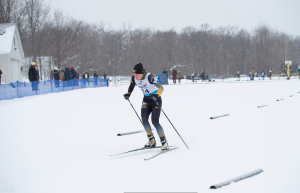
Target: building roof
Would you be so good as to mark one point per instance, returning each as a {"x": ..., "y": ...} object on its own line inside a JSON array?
[{"x": 6, "y": 40}]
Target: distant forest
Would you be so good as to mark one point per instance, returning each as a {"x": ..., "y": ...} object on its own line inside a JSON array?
[{"x": 91, "y": 46}]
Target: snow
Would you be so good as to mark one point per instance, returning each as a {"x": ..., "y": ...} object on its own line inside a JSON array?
[
  {"x": 6, "y": 40},
  {"x": 65, "y": 147}
]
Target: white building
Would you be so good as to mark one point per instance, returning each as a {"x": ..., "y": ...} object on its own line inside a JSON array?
[
  {"x": 44, "y": 69},
  {"x": 11, "y": 53}
]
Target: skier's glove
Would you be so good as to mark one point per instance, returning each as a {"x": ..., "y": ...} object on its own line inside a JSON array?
[
  {"x": 127, "y": 95},
  {"x": 154, "y": 97}
]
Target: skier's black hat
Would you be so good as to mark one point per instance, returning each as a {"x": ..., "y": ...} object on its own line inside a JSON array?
[{"x": 138, "y": 69}]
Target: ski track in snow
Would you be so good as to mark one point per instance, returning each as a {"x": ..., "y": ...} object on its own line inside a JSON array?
[{"x": 61, "y": 142}]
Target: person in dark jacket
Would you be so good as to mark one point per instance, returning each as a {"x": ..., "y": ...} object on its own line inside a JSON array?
[
  {"x": 0, "y": 75},
  {"x": 37, "y": 73},
  {"x": 55, "y": 75},
  {"x": 73, "y": 72},
  {"x": 69, "y": 74},
  {"x": 203, "y": 75},
  {"x": 95, "y": 74},
  {"x": 85, "y": 76},
  {"x": 165, "y": 72},
  {"x": 95, "y": 78},
  {"x": 104, "y": 75},
  {"x": 174, "y": 75},
  {"x": 32, "y": 74}
]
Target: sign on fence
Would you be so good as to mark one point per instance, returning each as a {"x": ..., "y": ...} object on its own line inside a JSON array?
[{"x": 163, "y": 78}]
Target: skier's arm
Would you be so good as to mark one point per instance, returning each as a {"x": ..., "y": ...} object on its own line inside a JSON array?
[
  {"x": 130, "y": 89},
  {"x": 131, "y": 86},
  {"x": 152, "y": 80}
]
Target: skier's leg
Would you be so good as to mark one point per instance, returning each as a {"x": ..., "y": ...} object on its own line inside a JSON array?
[
  {"x": 155, "y": 117},
  {"x": 145, "y": 112},
  {"x": 155, "y": 121}
]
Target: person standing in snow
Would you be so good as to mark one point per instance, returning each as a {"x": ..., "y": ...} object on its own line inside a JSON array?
[
  {"x": 32, "y": 74},
  {"x": 298, "y": 71},
  {"x": 238, "y": 75},
  {"x": 193, "y": 75},
  {"x": 152, "y": 103},
  {"x": 0, "y": 75},
  {"x": 203, "y": 75},
  {"x": 270, "y": 73},
  {"x": 165, "y": 72},
  {"x": 252, "y": 73},
  {"x": 263, "y": 74},
  {"x": 179, "y": 76},
  {"x": 174, "y": 75},
  {"x": 62, "y": 75}
]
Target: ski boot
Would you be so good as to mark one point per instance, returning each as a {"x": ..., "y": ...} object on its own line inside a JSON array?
[
  {"x": 164, "y": 143},
  {"x": 151, "y": 143}
]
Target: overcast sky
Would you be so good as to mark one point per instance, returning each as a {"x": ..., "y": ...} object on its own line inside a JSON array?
[{"x": 283, "y": 15}]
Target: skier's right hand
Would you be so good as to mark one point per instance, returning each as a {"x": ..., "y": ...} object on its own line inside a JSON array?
[{"x": 127, "y": 95}]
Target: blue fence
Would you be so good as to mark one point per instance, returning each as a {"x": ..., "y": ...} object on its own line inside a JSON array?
[{"x": 23, "y": 89}]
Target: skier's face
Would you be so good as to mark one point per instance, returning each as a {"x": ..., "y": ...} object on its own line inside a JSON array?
[{"x": 138, "y": 76}]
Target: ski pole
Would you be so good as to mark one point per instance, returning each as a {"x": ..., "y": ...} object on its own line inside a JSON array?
[
  {"x": 135, "y": 111},
  {"x": 171, "y": 123}
]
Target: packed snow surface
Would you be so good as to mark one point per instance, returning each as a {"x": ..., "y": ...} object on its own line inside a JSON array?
[{"x": 61, "y": 142}]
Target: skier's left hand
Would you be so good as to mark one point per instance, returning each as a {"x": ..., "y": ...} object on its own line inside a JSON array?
[{"x": 154, "y": 97}]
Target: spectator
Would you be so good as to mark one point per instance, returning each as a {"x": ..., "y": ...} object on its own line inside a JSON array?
[
  {"x": 32, "y": 74},
  {"x": 179, "y": 76},
  {"x": 56, "y": 74},
  {"x": 95, "y": 78},
  {"x": 298, "y": 71},
  {"x": 62, "y": 75},
  {"x": 95, "y": 74},
  {"x": 73, "y": 72},
  {"x": 263, "y": 74},
  {"x": 252, "y": 73},
  {"x": 104, "y": 75},
  {"x": 1, "y": 74},
  {"x": 69, "y": 75},
  {"x": 85, "y": 76},
  {"x": 193, "y": 76},
  {"x": 56, "y": 77},
  {"x": 174, "y": 75},
  {"x": 77, "y": 75},
  {"x": 165, "y": 72},
  {"x": 238, "y": 75},
  {"x": 203, "y": 75},
  {"x": 270, "y": 73},
  {"x": 37, "y": 73}
]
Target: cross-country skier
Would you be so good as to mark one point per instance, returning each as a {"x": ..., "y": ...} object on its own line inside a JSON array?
[{"x": 152, "y": 91}]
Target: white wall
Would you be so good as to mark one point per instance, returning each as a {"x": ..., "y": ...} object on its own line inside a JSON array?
[
  {"x": 4, "y": 66},
  {"x": 5, "y": 63}
]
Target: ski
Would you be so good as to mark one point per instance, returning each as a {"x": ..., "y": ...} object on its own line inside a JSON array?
[
  {"x": 129, "y": 133},
  {"x": 144, "y": 148},
  {"x": 132, "y": 132},
  {"x": 162, "y": 152}
]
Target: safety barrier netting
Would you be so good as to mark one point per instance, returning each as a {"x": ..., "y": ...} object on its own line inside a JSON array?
[{"x": 23, "y": 89}]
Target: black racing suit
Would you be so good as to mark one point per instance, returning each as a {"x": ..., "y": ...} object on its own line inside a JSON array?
[{"x": 150, "y": 106}]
